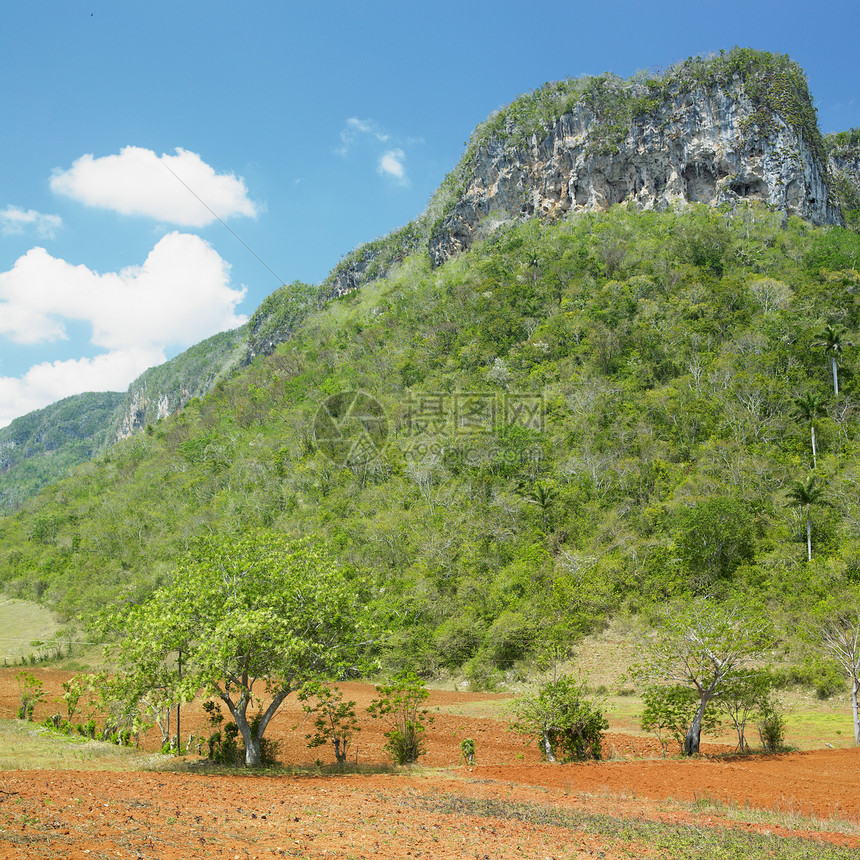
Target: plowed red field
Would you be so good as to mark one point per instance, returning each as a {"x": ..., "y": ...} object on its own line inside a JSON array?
[{"x": 506, "y": 806}]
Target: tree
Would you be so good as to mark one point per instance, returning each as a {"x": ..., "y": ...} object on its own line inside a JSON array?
[
  {"x": 745, "y": 695},
  {"x": 704, "y": 645},
  {"x": 251, "y": 615},
  {"x": 399, "y": 701},
  {"x": 840, "y": 637},
  {"x": 334, "y": 720},
  {"x": 804, "y": 496},
  {"x": 807, "y": 408},
  {"x": 565, "y": 723},
  {"x": 834, "y": 342},
  {"x": 30, "y": 693},
  {"x": 668, "y": 712},
  {"x": 714, "y": 536}
]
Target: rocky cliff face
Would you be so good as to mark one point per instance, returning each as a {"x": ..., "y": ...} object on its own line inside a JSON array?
[
  {"x": 739, "y": 126},
  {"x": 164, "y": 390},
  {"x": 705, "y": 146}
]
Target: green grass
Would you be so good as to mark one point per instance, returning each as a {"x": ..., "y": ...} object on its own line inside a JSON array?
[
  {"x": 27, "y": 746},
  {"x": 23, "y": 623}
]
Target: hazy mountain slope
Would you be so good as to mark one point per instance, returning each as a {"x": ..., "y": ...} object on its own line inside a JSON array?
[{"x": 43, "y": 445}]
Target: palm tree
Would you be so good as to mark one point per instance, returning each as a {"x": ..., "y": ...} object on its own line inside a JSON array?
[
  {"x": 543, "y": 496},
  {"x": 807, "y": 408},
  {"x": 804, "y": 496},
  {"x": 834, "y": 342}
]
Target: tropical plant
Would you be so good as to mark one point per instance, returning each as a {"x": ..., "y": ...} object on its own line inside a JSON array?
[
  {"x": 399, "y": 703},
  {"x": 564, "y": 722},
  {"x": 805, "y": 495},
  {"x": 833, "y": 341},
  {"x": 807, "y": 408}
]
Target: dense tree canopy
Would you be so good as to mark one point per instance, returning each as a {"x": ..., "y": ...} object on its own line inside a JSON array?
[{"x": 247, "y": 618}]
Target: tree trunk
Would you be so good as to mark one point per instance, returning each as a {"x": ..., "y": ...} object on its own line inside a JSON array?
[
  {"x": 547, "y": 747},
  {"x": 855, "y": 688},
  {"x": 694, "y": 733},
  {"x": 835, "y": 375},
  {"x": 814, "y": 452},
  {"x": 808, "y": 538}
]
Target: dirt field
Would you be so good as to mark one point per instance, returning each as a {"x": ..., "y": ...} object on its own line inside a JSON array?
[{"x": 508, "y": 805}]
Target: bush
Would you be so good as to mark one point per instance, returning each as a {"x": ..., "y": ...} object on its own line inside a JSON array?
[
  {"x": 334, "y": 719},
  {"x": 400, "y": 702},
  {"x": 771, "y": 729},
  {"x": 565, "y": 723}
]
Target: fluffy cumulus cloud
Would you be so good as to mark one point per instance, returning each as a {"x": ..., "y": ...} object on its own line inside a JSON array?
[
  {"x": 179, "y": 189},
  {"x": 392, "y": 164},
  {"x": 15, "y": 221},
  {"x": 51, "y": 381},
  {"x": 178, "y": 296}
]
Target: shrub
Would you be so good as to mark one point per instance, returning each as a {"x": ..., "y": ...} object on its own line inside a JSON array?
[
  {"x": 400, "y": 702},
  {"x": 334, "y": 719},
  {"x": 565, "y": 723}
]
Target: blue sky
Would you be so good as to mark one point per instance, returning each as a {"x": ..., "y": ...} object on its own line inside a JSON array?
[{"x": 307, "y": 127}]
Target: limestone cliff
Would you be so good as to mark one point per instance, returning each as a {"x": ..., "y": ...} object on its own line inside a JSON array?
[
  {"x": 721, "y": 130},
  {"x": 745, "y": 132},
  {"x": 165, "y": 389}
]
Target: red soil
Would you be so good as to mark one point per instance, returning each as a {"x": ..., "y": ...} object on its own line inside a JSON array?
[{"x": 49, "y": 814}]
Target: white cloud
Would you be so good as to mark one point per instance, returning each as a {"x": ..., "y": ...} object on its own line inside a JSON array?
[
  {"x": 180, "y": 295},
  {"x": 15, "y": 221},
  {"x": 49, "y": 382},
  {"x": 392, "y": 164},
  {"x": 168, "y": 187},
  {"x": 355, "y": 129}
]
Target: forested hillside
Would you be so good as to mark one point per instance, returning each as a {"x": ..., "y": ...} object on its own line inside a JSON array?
[
  {"x": 564, "y": 422},
  {"x": 42, "y": 446}
]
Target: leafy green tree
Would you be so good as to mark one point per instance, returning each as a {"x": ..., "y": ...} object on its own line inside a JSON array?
[
  {"x": 250, "y": 615},
  {"x": 30, "y": 693},
  {"x": 668, "y": 712},
  {"x": 804, "y": 496},
  {"x": 743, "y": 696},
  {"x": 807, "y": 408},
  {"x": 704, "y": 645},
  {"x": 334, "y": 720},
  {"x": 567, "y": 725},
  {"x": 399, "y": 703},
  {"x": 714, "y": 537}
]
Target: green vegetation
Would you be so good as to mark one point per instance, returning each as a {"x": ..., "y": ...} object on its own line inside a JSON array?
[
  {"x": 253, "y": 610},
  {"x": 564, "y": 722},
  {"x": 42, "y": 446},
  {"x": 584, "y": 419},
  {"x": 334, "y": 720},
  {"x": 398, "y": 703}
]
